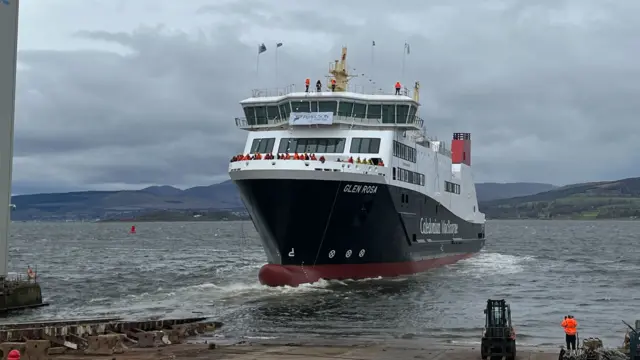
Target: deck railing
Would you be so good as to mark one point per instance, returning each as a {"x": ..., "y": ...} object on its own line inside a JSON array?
[{"x": 352, "y": 88}]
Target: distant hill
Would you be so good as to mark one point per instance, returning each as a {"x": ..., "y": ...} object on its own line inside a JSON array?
[
  {"x": 596, "y": 200},
  {"x": 91, "y": 205},
  {"x": 494, "y": 191}
]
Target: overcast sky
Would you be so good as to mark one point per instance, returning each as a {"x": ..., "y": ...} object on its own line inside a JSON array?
[{"x": 129, "y": 93}]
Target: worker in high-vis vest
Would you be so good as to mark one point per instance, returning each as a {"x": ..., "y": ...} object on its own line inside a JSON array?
[
  {"x": 398, "y": 87},
  {"x": 333, "y": 85},
  {"x": 570, "y": 326},
  {"x": 307, "y": 82}
]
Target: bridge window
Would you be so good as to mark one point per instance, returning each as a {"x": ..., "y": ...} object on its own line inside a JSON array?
[
  {"x": 312, "y": 145},
  {"x": 262, "y": 145},
  {"x": 359, "y": 110},
  {"x": 412, "y": 113},
  {"x": 285, "y": 110},
  {"x": 389, "y": 114},
  {"x": 365, "y": 145},
  {"x": 374, "y": 112},
  {"x": 401, "y": 114},
  {"x": 451, "y": 187},
  {"x": 272, "y": 112},
  {"x": 345, "y": 108},
  {"x": 404, "y": 152},
  {"x": 250, "y": 114},
  {"x": 328, "y": 106},
  {"x": 261, "y": 115},
  {"x": 300, "y": 106}
]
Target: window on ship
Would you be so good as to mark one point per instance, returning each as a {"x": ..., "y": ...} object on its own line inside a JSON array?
[
  {"x": 250, "y": 114},
  {"x": 261, "y": 115},
  {"x": 312, "y": 145},
  {"x": 300, "y": 106},
  {"x": 374, "y": 112},
  {"x": 365, "y": 145},
  {"x": 262, "y": 145},
  {"x": 389, "y": 114},
  {"x": 401, "y": 114},
  {"x": 359, "y": 110},
  {"x": 412, "y": 113},
  {"x": 285, "y": 110},
  {"x": 345, "y": 108},
  {"x": 328, "y": 106},
  {"x": 272, "y": 112}
]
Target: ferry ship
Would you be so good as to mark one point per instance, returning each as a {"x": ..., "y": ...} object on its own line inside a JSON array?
[{"x": 346, "y": 185}]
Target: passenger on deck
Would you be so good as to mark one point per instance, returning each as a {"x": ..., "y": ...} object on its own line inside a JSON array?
[
  {"x": 398, "y": 87},
  {"x": 358, "y": 161},
  {"x": 350, "y": 160},
  {"x": 313, "y": 157},
  {"x": 380, "y": 162},
  {"x": 322, "y": 159},
  {"x": 307, "y": 82},
  {"x": 296, "y": 156},
  {"x": 258, "y": 156},
  {"x": 287, "y": 156},
  {"x": 333, "y": 85},
  {"x": 318, "y": 86},
  {"x": 306, "y": 156},
  {"x": 570, "y": 326}
]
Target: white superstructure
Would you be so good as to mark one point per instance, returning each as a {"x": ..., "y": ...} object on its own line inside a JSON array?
[{"x": 343, "y": 124}]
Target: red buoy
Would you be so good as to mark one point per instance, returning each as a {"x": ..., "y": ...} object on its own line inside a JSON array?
[
  {"x": 133, "y": 229},
  {"x": 13, "y": 355}
]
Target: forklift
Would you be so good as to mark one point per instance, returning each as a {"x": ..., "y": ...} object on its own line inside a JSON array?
[{"x": 498, "y": 337}]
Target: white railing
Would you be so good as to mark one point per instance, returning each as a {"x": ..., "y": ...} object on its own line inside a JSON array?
[{"x": 352, "y": 88}]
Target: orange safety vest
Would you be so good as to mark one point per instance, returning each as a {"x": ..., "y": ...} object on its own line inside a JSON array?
[
  {"x": 333, "y": 81},
  {"x": 307, "y": 82},
  {"x": 398, "y": 86},
  {"x": 570, "y": 326}
]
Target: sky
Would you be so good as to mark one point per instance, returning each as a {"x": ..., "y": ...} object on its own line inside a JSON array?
[{"x": 123, "y": 94}]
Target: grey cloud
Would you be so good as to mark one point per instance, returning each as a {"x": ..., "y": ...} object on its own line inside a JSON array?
[{"x": 547, "y": 88}]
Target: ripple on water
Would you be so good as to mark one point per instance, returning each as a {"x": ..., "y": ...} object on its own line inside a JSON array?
[{"x": 545, "y": 269}]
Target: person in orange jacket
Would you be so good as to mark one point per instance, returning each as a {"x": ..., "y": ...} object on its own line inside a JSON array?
[
  {"x": 333, "y": 85},
  {"x": 398, "y": 87},
  {"x": 307, "y": 82},
  {"x": 570, "y": 326}
]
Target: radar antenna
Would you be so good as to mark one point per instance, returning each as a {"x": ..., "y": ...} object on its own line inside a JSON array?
[{"x": 339, "y": 71}]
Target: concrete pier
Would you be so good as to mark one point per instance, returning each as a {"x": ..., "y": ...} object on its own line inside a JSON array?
[{"x": 345, "y": 350}]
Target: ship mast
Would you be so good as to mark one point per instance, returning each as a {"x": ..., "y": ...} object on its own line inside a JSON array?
[
  {"x": 8, "y": 68},
  {"x": 339, "y": 71}
]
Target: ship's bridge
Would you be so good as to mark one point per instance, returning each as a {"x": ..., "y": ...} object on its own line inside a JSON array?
[{"x": 355, "y": 107}]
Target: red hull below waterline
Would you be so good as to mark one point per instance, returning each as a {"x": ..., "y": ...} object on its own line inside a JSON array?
[{"x": 294, "y": 275}]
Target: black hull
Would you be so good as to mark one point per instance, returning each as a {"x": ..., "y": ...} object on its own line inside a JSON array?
[{"x": 321, "y": 223}]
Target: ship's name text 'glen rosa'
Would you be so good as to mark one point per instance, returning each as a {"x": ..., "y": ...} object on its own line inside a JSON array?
[
  {"x": 360, "y": 189},
  {"x": 443, "y": 227}
]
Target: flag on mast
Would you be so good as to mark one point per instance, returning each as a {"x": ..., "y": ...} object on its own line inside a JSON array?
[
  {"x": 278, "y": 45},
  {"x": 407, "y": 48},
  {"x": 262, "y": 48},
  {"x": 373, "y": 43}
]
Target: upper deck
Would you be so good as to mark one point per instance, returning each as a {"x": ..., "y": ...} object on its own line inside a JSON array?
[{"x": 335, "y": 103}]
